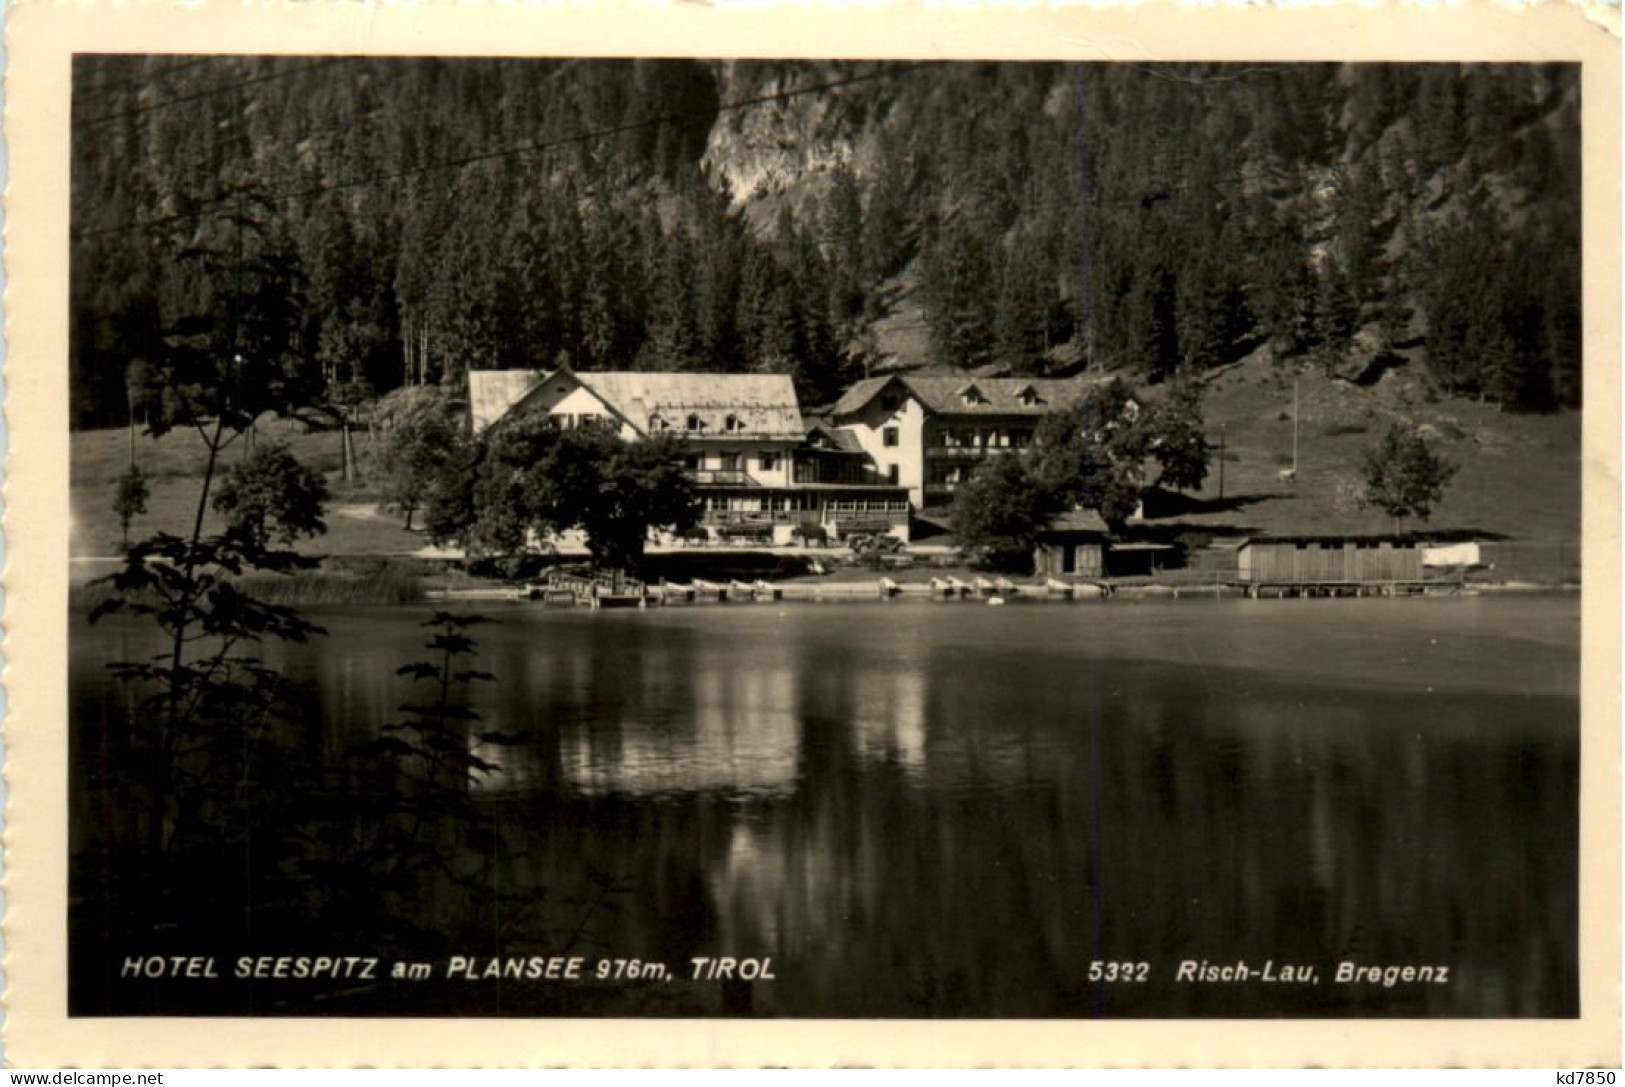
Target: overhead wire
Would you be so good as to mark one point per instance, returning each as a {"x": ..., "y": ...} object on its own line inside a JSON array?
[
  {"x": 528, "y": 148},
  {"x": 211, "y": 92},
  {"x": 104, "y": 87}
]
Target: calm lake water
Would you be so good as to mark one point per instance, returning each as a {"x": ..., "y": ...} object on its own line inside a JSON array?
[{"x": 935, "y": 809}]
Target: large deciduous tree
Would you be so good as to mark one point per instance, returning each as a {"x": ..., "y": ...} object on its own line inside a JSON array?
[
  {"x": 1095, "y": 454},
  {"x": 1404, "y": 477},
  {"x": 533, "y": 480},
  {"x": 1000, "y": 511},
  {"x": 272, "y": 497},
  {"x": 1098, "y": 453},
  {"x": 423, "y": 436}
]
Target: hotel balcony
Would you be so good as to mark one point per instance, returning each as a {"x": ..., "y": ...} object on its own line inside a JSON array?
[
  {"x": 967, "y": 452},
  {"x": 754, "y": 517},
  {"x": 722, "y": 477}
]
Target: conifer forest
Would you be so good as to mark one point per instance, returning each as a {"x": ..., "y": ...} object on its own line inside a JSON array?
[{"x": 366, "y": 223}]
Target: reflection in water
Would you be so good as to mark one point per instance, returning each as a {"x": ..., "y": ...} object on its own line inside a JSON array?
[
  {"x": 929, "y": 810},
  {"x": 738, "y": 737},
  {"x": 890, "y": 721}
]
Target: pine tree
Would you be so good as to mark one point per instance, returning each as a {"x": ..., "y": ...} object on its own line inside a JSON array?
[
  {"x": 841, "y": 224},
  {"x": 1024, "y": 318},
  {"x": 958, "y": 305},
  {"x": 884, "y": 247},
  {"x": 673, "y": 338}
]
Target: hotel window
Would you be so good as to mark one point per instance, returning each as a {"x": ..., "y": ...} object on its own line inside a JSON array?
[
  {"x": 730, "y": 462},
  {"x": 768, "y": 462},
  {"x": 891, "y": 474},
  {"x": 888, "y": 437},
  {"x": 731, "y": 424},
  {"x": 695, "y": 423},
  {"x": 694, "y": 462}
]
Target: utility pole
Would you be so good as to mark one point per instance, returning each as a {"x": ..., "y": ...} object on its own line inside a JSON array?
[
  {"x": 1294, "y": 428},
  {"x": 346, "y": 454}
]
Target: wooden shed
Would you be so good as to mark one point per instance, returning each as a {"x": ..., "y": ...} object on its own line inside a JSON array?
[
  {"x": 1074, "y": 545},
  {"x": 1329, "y": 560}
]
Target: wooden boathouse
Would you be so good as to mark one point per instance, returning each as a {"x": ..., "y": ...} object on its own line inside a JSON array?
[
  {"x": 1073, "y": 545},
  {"x": 1078, "y": 544},
  {"x": 1330, "y": 564}
]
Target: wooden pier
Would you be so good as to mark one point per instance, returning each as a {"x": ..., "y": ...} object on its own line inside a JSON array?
[
  {"x": 612, "y": 590},
  {"x": 1277, "y": 590}
]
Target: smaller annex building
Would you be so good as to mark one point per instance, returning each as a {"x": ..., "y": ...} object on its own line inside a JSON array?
[
  {"x": 761, "y": 475},
  {"x": 929, "y": 432}
]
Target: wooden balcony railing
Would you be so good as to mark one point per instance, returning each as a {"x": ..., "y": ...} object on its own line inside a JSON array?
[
  {"x": 722, "y": 477},
  {"x": 968, "y": 452},
  {"x": 751, "y": 517}
]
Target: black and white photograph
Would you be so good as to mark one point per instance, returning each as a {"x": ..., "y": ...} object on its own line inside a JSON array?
[{"x": 606, "y": 537}]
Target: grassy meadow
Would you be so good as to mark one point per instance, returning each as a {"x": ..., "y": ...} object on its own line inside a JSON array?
[
  {"x": 174, "y": 465},
  {"x": 1519, "y": 474}
]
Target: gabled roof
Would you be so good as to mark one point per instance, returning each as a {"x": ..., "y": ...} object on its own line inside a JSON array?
[
  {"x": 861, "y": 393},
  {"x": 822, "y": 435},
  {"x": 945, "y": 395},
  {"x": 760, "y": 405},
  {"x": 494, "y": 393},
  {"x": 1077, "y": 520}
]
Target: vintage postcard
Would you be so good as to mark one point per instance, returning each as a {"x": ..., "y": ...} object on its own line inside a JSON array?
[{"x": 892, "y": 536}]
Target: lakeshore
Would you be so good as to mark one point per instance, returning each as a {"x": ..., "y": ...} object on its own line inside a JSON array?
[{"x": 400, "y": 579}]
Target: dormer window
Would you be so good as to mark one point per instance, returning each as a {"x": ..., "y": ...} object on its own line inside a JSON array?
[
  {"x": 1030, "y": 398},
  {"x": 732, "y": 424},
  {"x": 972, "y": 396},
  {"x": 695, "y": 424},
  {"x": 656, "y": 423}
]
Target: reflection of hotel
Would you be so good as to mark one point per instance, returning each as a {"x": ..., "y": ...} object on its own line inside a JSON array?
[
  {"x": 759, "y": 471},
  {"x": 742, "y": 739}
]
